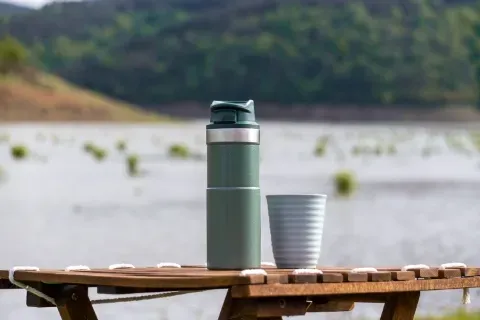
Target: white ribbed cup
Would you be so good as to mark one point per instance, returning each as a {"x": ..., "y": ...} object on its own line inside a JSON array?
[{"x": 296, "y": 229}]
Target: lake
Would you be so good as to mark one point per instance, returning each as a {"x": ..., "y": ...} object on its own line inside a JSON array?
[{"x": 61, "y": 207}]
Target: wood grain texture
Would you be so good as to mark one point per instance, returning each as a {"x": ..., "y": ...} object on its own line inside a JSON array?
[
  {"x": 341, "y": 279},
  {"x": 401, "y": 306},
  {"x": 310, "y": 289},
  {"x": 77, "y": 306}
]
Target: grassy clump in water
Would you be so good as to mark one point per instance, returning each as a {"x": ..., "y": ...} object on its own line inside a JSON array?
[
  {"x": 132, "y": 165},
  {"x": 457, "y": 315},
  {"x": 321, "y": 146},
  {"x": 99, "y": 153},
  {"x": 88, "y": 147},
  {"x": 345, "y": 183},
  {"x": 179, "y": 151},
  {"x": 121, "y": 145},
  {"x": 19, "y": 152},
  {"x": 391, "y": 149}
]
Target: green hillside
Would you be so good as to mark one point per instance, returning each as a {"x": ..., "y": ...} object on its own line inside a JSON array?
[
  {"x": 27, "y": 94},
  {"x": 410, "y": 53}
]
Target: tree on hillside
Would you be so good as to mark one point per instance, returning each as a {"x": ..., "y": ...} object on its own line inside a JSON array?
[
  {"x": 471, "y": 19},
  {"x": 13, "y": 55},
  {"x": 335, "y": 52}
]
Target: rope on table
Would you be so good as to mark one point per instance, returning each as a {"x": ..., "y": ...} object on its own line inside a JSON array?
[
  {"x": 253, "y": 272},
  {"x": 415, "y": 266},
  {"x": 121, "y": 266},
  {"x": 77, "y": 268},
  {"x": 168, "y": 265},
  {"x": 466, "y": 298},
  {"x": 144, "y": 297},
  {"x": 38, "y": 293}
]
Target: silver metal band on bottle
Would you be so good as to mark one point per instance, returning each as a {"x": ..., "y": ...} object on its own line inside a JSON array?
[{"x": 234, "y": 135}]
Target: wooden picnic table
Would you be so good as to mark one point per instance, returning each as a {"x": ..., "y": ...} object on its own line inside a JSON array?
[{"x": 268, "y": 296}]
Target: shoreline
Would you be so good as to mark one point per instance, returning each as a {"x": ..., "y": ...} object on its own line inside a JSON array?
[
  {"x": 186, "y": 112},
  {"x": 333, "y": 114}
]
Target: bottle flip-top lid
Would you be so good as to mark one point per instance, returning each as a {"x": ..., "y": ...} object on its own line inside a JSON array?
[{"x": 232, "y": 112}]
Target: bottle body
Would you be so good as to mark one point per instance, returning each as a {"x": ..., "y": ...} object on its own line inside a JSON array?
[{"x": 233, "y": 198}]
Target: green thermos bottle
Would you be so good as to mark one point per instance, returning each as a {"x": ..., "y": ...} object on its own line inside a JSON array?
[{"x": 233, "y": 187}]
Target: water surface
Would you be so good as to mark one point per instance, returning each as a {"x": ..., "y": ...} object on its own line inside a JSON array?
[{"x": 63, "y": 208}]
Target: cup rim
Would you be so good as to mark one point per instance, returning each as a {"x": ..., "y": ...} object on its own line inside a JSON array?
[{"x": 318, "y": 195}]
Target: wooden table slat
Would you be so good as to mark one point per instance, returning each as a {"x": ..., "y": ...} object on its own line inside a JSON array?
[
  {"x": 151, "y": 278},
  {"x": 309, "y": 289}
]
